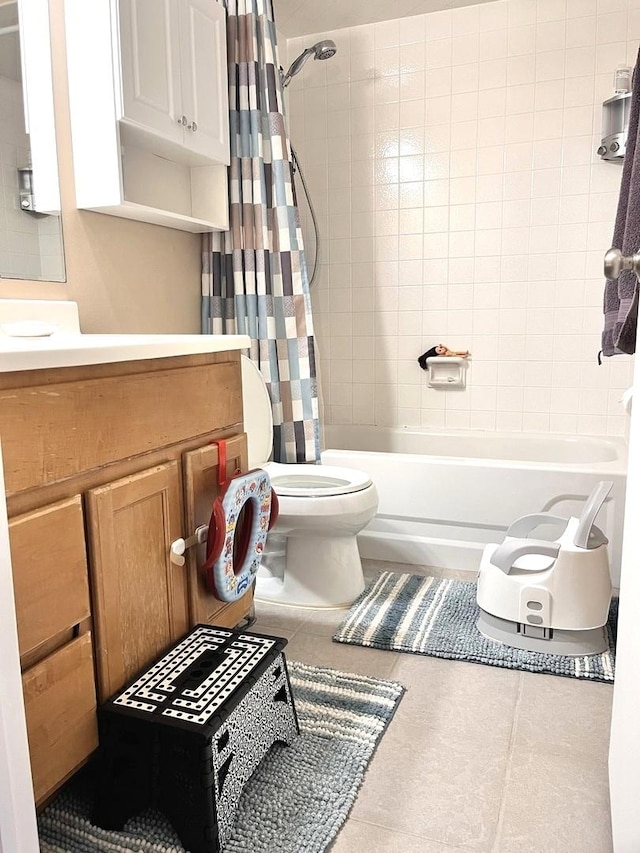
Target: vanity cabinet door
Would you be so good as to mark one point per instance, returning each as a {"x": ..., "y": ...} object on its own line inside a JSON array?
[
  {"x": 139, "y": 595},
  {"x": 150, "y": 57},
  {"x": 201, "y": 487},
  {"x": 205, "y": 100}
]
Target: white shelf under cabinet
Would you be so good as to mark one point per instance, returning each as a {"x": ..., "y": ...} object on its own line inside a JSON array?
[
  {"x": 156, "y": 216},
  {"x": 193, "y": 198},
  {"x": 122, "y": 168}
]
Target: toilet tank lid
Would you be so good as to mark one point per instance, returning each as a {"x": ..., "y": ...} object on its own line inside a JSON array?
[{"x": 258, "y": 417}]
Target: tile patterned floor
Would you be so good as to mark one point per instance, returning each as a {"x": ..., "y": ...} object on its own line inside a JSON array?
[{"x": 476, "y": 758}]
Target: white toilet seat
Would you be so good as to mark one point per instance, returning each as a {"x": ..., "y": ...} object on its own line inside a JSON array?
[
  {"x": 315, "y": 481},
  {"x": 290, "y": 480}
]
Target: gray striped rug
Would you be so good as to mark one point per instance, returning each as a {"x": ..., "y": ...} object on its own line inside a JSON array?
[
  {"x": 297, "y": 799},
  {"x": 436, "y": 617}
]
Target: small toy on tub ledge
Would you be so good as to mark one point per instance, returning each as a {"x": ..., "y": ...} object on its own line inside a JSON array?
[{"x": 441, "y": 351}]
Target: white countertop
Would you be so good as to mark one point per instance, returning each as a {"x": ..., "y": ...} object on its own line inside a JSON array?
[{"x": 64, "y": 349}]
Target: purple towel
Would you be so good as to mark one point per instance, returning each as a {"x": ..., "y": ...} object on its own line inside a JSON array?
[{"x": 621, "y": 296}]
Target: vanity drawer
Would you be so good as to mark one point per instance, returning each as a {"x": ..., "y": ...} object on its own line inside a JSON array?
[
  {"x": 80, "y": 423},
  {"x": 50, "y": 578},
  {"x": 60, "y": 706}
]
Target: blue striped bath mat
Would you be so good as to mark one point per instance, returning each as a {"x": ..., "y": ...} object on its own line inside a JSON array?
[
  {"x": 437, "y": 617},
  {"x": 297, "y": 799}
]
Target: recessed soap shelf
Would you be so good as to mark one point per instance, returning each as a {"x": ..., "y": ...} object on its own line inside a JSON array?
[{"x": 447, "y": 371}]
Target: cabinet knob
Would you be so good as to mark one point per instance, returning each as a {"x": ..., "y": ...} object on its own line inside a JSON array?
[
  {"x": 183, "y": 121},
  {"x": 193, "y": 126}
]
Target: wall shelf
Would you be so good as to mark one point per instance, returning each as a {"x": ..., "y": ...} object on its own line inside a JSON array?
[{"x": 447, "y": 371}]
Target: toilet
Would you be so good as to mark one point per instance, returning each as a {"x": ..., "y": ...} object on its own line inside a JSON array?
[{"x": 311, "y": 557}]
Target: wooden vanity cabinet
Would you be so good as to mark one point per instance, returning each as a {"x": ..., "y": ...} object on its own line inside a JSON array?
[{"x": 105, "y": 467}]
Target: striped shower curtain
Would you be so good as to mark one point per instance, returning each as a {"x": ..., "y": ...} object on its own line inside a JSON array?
[{"x": 254, "y": 277}]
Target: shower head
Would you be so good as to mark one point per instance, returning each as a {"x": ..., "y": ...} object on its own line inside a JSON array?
[
  {"x": 321, "y": 50},
  {"x": 325, "y": 49}
]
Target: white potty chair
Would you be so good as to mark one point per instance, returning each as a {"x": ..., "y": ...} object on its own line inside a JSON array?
[
  {"x": 549, "y": 596},
  {"x": 311, "y": 557}
]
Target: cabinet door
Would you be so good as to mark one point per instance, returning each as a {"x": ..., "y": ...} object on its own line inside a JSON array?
[
  {"x": 139, "y": 596},
  {"x": 201, "y": 486},
  {"x": 203, "y": 69},
  {"x": 150, "y": 59}
]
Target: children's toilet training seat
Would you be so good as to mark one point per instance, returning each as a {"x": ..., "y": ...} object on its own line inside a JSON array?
[{"x": 549, "y": 595}]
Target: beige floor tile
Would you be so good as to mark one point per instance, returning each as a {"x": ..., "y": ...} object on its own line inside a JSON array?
[
  {"x": 555, "y": 804},
  {"x": 563, "y": 713},
  {"x": 324, "y": 622},
  {"x": 279, "y": 616},
  {"x": 321, "y": 651},
  {"x": 441, "y": 783},
  {"x": 319, "y": 623},
  {"x": 454, "y": 696},
  {"x": 358, "y": 837},
  {"x": 272, "y": 630}
]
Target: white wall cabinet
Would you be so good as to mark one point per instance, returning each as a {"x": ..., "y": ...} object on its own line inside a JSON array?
[
  {"x": 203, "y": 39},
  {"x": 150, "y": 47},
  {"x": 149, "y": 110},
  {"x": 173, "y": 80}
]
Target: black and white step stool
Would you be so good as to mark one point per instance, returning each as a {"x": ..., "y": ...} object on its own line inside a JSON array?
[{"x": 187, "y": 734}]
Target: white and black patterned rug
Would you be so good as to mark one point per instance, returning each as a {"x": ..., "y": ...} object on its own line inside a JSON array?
[
  {"x": 297, "y": 799},
  {"x": 437, "y": 617}
]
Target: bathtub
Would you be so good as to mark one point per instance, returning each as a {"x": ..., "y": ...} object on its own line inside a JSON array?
[{"x": 444, "y": 495}]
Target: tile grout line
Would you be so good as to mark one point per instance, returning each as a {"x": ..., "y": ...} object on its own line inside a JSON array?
[
  {"x": 507, "y": 775},
  {"x": 402, "y": 832}
]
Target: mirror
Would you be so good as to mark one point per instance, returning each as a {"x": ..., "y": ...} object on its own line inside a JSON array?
[{"x": 30, "y": 226}]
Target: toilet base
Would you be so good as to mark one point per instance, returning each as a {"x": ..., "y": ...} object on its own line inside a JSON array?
[{"x": 319, "y": 572}]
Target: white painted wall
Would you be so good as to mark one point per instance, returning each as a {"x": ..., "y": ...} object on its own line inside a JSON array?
[{"x": 18, "y": 831}]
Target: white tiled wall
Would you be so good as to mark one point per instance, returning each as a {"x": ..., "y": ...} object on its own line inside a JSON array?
[{"x": 451, "y": 159}]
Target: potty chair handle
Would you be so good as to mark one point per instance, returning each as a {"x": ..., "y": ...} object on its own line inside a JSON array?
[{"x": 588, "y": 536}]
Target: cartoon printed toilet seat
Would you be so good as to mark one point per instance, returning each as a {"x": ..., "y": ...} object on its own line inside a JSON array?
[{"x": 244, "y": 537}]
